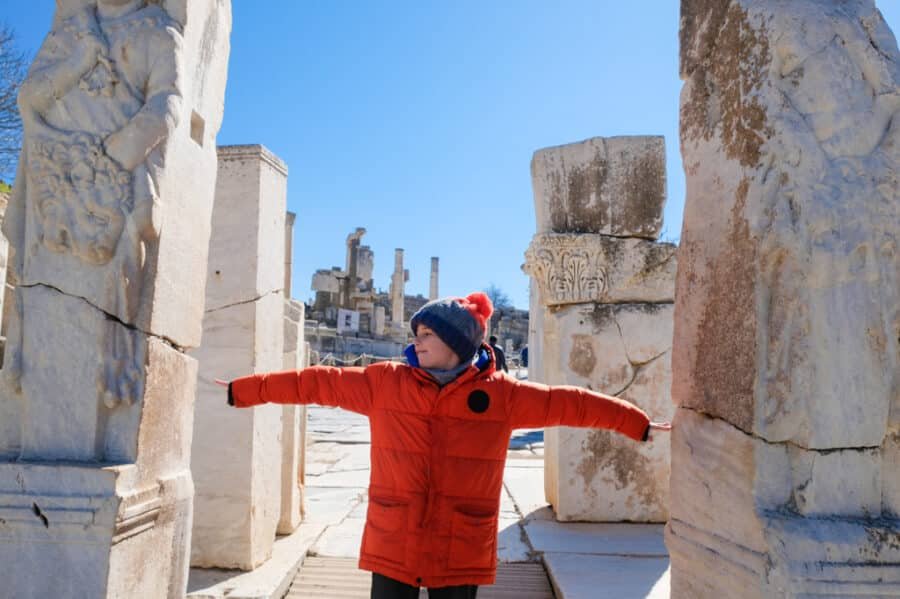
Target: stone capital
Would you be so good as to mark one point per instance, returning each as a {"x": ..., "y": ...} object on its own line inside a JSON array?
[
  {"x": 567, "y": 268},
  {"x": 584, "y": 268}
]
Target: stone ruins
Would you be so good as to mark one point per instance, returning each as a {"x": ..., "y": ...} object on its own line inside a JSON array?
[
  {"x": 786, "y": 365},
  {"x": 108, "y": 226},
  {"x": 601, "y": 317},
  {"x": 771, "y": 336},
  {"x": 373, "y": 329}
]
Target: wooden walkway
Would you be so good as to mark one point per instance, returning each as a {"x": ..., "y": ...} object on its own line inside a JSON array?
[{"x": 339, "y": 578}]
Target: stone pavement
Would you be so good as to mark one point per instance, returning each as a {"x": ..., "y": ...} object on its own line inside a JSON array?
[{"x": 583, "y": 560}]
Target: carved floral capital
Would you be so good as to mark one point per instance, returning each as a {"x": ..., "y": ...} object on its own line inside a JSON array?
[{"x": 567, "y": 268}]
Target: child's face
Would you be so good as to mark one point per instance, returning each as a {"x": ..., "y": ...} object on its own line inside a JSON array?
[{"x": 432, "y": 352}]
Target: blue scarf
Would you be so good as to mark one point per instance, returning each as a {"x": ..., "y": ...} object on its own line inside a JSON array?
[{"x": 480, "y": 360}]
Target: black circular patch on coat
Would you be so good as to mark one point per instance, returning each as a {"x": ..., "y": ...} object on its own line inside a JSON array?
[{"x": 479, "y": 401}]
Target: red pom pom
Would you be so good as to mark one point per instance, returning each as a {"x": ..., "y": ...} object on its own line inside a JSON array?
[{"x": 482, "y": 304}]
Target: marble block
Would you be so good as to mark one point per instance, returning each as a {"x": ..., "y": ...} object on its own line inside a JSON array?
[
  {"x": 237, "y": 454},
  {"x": 609, "y": 185},
  {"x": 622, "y": 350},
  {"x": 757, "y": 521},
  {"x": 247, "y": 247},
  {"x": 293, "y": 423},
  {"x": 786, "y": 356}
]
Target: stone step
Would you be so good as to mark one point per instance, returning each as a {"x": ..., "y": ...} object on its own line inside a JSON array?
[{"x": 339, "y": 578}]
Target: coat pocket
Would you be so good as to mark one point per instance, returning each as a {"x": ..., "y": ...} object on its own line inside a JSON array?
[
  {"x": 473, "y": 543},
  {"x": 385, "y": 534}
]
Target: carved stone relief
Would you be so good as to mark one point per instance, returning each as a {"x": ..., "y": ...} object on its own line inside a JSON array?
[
  {"x": 786, "y": 357},
  {"x": 98, "y": 105},
  {"x": 567, "y": 268}
]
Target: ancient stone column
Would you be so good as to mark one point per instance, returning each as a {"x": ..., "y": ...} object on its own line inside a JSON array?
[
  {"x": 378, "y": 327},
  {"x": 238, "y": 453},
  {"x": 786, "y": 369},
  {"x": 109, "y": 228},
  {"x": 602, "y": 308},
  {"x": 289, "y": 219},
  {"x": 433, "y": 284},
  {"x": 351, "y": 281},
  {"x": 365, "y": 267},
  {"x": 293, "y": 424},
  {"x": 398, "y": 281}
]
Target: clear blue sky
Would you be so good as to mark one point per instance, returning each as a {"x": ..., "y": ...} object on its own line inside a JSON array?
[{"x": 417, "y": 119}]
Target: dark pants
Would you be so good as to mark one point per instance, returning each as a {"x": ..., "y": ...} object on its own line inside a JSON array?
[{"x": 388, "y": 588}]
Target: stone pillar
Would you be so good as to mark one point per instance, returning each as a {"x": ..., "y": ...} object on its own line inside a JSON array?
[
  {"x": 365, "y": 267},
  {"x": 237, "y": 453},
  {"x": 293, "y": 424},
  {"x": 350, "y": 282},
  {"x": 4, "y": 257},
  {"x": 398, "y": 281},
  {"x": 602, "y": 313},
  {"x": 379, "y": 321},
  {"x": 433, "y": 286},
  {"x": 289, "y": 219},
  {"x": 786, "y": 367},
  {"x": 109, "y": 226}
]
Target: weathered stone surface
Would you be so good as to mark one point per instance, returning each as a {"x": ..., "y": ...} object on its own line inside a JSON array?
[
  {"x": 622, "y": 350},
  {"x": 289, "y": 219},
  {"x": 238, "y": 482},
  {"x": 293, "y": 424},
  {"x": 573, "y": 269},
  {"x": 614, "y": 186},
  {"x": 786, "y": 359},
  {"x": 236, "y": 458},
  {"x": 122, "y": 530},
  {"x": 109, "y": 228},
  {"x": 601, "y": 317},
  {"x": 891, "y": 502},
  {"x": 580, "y": 576},
  {"x": 113, "y": 196},
  {"x": 789, "y": 251},
  {"x": 247, "y": 248},
  {"x": 754, "y": 515}
]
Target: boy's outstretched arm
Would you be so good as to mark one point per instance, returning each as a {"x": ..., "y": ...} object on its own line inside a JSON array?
[
  {"x": 535, "y": 405},
  {"x": 348, "y": 388}
]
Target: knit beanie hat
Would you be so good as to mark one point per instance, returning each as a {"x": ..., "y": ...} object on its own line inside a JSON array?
[{"x": 460, "y": 322}]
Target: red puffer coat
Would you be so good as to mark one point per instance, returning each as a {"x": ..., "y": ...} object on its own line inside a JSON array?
[{"x": 438, "y": 455}]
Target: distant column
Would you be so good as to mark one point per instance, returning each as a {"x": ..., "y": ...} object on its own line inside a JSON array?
[
  {"x": 288, "y": 251},
  {"x": 433, "y": 288},
  {"x": 398, "y": 280},
  {"x": 350, "y": 282},
  {"x": 378, "y": 327}
]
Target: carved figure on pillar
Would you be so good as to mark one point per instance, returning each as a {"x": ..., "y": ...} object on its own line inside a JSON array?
[{"x": 97, "y": 107}]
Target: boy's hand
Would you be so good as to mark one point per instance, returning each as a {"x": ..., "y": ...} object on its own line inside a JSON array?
[
  {"x": 658, "y": 426},
  {"x": 226, "y": 384}
]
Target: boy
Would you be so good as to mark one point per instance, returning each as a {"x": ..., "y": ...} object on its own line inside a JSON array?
[{"x": 440, "y": 431}]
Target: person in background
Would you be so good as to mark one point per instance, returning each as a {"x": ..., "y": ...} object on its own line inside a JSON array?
[{"x": 499, "y": 354}]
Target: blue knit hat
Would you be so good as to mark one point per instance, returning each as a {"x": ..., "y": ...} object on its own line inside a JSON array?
[{"x": 459, "y": 322}]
